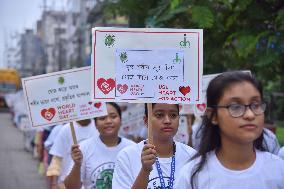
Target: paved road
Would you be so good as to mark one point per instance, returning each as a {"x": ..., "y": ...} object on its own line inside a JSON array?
[{"x": 18, "y": 169}]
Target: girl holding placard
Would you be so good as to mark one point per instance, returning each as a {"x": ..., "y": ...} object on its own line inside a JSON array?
[
  {"x": 94, "y": 160},
  {"x": 61, "y": 162},
  {"x": 155, "y": 165},
  {"x": 232, "y": 154}
]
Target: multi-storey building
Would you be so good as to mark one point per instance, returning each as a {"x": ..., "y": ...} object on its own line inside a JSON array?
[
  {"x": 54, "y": 35},
  {"x": 79, "y": 32},
  {"x": 30, "y": 52}
]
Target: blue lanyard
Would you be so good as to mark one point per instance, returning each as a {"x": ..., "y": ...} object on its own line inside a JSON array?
[{"x": 172, "y": 177}]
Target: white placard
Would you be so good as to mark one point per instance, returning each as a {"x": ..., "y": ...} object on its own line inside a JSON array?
[
  {"x": 127, "y": 46},
  {"x": 185, "y": 109},
  {"x": 132, "y": 121},
  {"x": 140, "y": 75},
  {"x": 61, "y": 97},
  {"x": 182, "y": 133}
]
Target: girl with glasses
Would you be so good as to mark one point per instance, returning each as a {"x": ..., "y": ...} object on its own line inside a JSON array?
[
  {"x": 232, "y": 154},
  {"x": 156, "y": 165}
]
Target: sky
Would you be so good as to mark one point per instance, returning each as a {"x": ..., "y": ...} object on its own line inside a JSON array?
[{"x": 18, "y": 15}]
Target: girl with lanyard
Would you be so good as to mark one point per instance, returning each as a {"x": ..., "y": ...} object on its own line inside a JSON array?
[
  {"x": 94, "y": 161},
  {"x": 232, "y": 154},
  {"x": 154, "y": 165}
]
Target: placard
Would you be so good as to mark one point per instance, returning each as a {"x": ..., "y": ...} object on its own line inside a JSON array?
[
  {"x": 61, "y": 97},
  {"x": 160, "y": 65}
]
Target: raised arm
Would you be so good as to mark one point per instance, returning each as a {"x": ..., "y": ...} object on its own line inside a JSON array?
[
  {"x": 148, "y": 157},
  {"x": 73, "y": 180}
]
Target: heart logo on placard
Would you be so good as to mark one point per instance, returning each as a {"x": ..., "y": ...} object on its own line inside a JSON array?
[
  {"x": 201, "y": 107},
  {"x": 184, "y": 90},
  {"x": 122, "y": 88},
  {"x": 98, "y": 105},
  {"x": 48, "y": 114},
  {"x": 106, "y": 85}
]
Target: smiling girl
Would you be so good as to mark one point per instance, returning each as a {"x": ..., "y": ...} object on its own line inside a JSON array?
[
  {"x": 94, "y": 161},
  {"x": 232, "y": 154}
]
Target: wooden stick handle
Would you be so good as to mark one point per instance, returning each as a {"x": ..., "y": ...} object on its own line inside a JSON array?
[
  {"x": 73, "y": 133},
  {"x": 150, "y": 132}
]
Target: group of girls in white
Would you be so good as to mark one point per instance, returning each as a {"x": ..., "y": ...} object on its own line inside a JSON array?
[{"x": 231, "y": 154}]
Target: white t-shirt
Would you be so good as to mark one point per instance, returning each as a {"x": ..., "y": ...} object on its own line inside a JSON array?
[
  {"x": 99, "y": 161},
  {"x": 270, "y": 141},
  {"x": 128, "y": 166},
  {"x": 281, "y": 153},
  {"x": 267, "y": 172},
  {"x": 52, "y": 136},
  {"x": 63, "y": 142}
]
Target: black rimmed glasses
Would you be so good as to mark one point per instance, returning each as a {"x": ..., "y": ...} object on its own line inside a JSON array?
[{"x": 238, "y": 110}]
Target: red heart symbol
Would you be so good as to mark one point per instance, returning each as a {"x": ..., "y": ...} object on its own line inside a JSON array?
[
  {"x": 106, "y": 85},
  {"x": 184, "y": 90},
  {"x": 122, "y": 88},
  {"x": 201, "y": 107},
  {"x": 48, "y": 114},
  {"x": 98, "y": 105}
]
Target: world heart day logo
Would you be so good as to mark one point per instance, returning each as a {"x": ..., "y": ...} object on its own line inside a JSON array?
[
  {"x": 122, "y": 88},
  {"x": 48, "y": 114},
  {"x": 184, "y": 90},
  {"x": 106, "y": 85}
]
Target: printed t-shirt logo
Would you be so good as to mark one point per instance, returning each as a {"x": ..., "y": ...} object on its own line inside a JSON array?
[
  {"x": 102, "y": 176},
  {"x": 154, "y": 183}
]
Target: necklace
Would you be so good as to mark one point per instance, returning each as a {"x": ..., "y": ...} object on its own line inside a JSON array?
[{"x": 172, "y": 178}]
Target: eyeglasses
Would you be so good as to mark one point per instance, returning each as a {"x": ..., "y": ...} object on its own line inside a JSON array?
[{"x": 238, "y": 110}]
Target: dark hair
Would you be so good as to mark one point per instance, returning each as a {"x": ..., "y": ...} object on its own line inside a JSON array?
[
  {"x": 210, "y": 134},
  {"x": 153, "y": 104},
  {"x": 116, "y": 107}
]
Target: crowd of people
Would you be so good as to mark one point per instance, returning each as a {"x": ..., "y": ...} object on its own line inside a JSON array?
[{"x": 227, "y": 147}]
